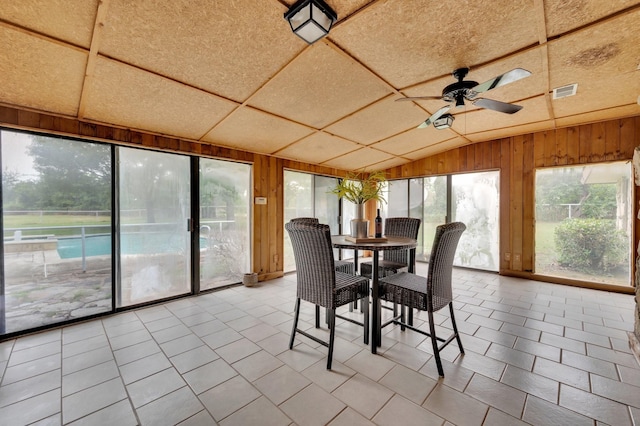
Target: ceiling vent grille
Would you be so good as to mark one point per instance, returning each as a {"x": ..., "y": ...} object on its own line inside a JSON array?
[{"x": 565, "y": 91}]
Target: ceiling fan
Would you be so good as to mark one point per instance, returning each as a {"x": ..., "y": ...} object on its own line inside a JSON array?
[{"x": 461, "y": 90}]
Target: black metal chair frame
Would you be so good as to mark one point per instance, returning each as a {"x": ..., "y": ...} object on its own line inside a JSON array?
[
  {"x": 319, "y": 283},
  {"x": 431, "y": 293}
]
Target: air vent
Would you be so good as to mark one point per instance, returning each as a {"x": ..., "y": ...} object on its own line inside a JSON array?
[{"x": 565, "y": 91}]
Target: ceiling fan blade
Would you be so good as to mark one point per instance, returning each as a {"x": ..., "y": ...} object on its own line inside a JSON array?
[
  {"x": 418, "y": 98},
  {"x": 434, "y": 116},
  {"x": 506, "y": 78},
  {"x": 497, "y": 105}
]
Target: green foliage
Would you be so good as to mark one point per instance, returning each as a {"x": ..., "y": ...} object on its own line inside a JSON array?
[
  {"x": 601, "y": 202},
  {"x": 359, "y": 187},
  {"x": 590, "y": 244}
]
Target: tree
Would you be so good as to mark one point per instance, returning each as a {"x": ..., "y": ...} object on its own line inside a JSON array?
[{"x": 72, "y": 175}]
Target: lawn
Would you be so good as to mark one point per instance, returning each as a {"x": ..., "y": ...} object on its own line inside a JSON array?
[{"x": 24, "y": 222}]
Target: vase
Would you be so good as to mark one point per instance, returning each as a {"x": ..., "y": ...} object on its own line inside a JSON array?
[{"x": 359, "y": 225}]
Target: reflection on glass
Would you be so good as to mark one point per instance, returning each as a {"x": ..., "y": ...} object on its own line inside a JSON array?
[
  {"x": 583, "y": 223},
  {"x": 476, "y": 203},
  {"x": 298, "y": 202},
  {"x": 225, "y": 233},
  {"x": 154, "y": 238},
  {"x": 56, "y": 198},
  {"x": 434, "y": 207}
]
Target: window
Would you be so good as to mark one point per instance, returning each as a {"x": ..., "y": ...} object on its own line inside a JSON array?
[
  {"x": 155, "y": 207},
  {"x": 225, "y": 231},
  {"x": 474, "y": 201},
  {"x": 307, "y": 195},
  {"x": 56, "y": 199},
  {"x": 583, "y": 222}
]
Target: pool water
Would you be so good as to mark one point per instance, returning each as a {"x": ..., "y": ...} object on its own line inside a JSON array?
[{"x": 136, "y": 243}]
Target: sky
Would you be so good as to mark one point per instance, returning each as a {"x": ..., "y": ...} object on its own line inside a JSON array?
[{"x": 14, "y": 154}]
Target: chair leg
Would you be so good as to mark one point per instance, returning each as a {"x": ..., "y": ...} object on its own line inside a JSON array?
[
  {"x": 331, "y": 313},
  {"x": 364, "y": 304},
  {"x": 434, "y": 343},
  {"x": 403, "y": 317},
  {"x": 295, "y": 323},
  {"x": 317, "y": 316},
  {"x": 455, "y": 327}
]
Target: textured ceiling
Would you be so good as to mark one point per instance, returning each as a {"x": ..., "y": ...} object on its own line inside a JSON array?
[{"x": 232, "y": 73}]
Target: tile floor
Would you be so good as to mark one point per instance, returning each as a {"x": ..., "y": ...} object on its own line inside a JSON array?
[{"x": 535, "y": 353}]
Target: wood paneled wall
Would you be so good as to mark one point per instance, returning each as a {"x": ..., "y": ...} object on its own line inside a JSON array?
[{"x": 517, "y": 158}]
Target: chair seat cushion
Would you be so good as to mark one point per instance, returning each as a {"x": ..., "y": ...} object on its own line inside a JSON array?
[
  {"x": 409, "y": 290},
  {"x": 350, "y": 287},
  {"x": 385, "y": 268}
]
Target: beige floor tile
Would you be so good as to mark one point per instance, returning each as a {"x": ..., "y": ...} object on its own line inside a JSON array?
[
  {"x": 540, "y": 412},
  {"x": 531, "y": 383},
  {"x": 30, "y": 369},
  {"x": 402, "y": 411},
  {"x": 613, "y": 389},
  {"x": 209, "y": 375},
  {"x": 412, "y": 385},
  {"x": 594, "y": 406},
  {"x": 301, "y": 356},
  {"x": 498, "y": 418},
  {"x": 83, "y": 379},
  {"x": 259, "y": 412},
  {"x": 281, "y": 384},
  {"x": 511, "y": 356},
  {"x": 237, "y": 350},
  {"x": 193, "y": 358},
  {"x": 349, "y": 417},
  {"x": 120, "y": 414},
  {"x": 496, "y": 394},
  {"x": 456, "y": 407},
  {"x": 93, "y": 399},
  {"x": 328, "y": 380},
  {"x": 370, "y": 365},
  {"x": 153, "y": 387},
  {"x": 228, "y": 397},
  {"x": 408, "y": 356},
  {"x": 312, "y": 406},
  {"x": 170, "y": 409},
  {"x": 363, "y": 395},
  {"x": 257, "y": 365}
]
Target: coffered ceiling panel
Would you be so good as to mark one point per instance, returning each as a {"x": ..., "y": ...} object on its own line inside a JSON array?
[
  {"x": 407, "y": 42},
  {"x": 68, "y": 20},
  {"x": 565, "y": 15},
  {"x": 233, "y": 74},
  {"x": 129, "y": 97},
  {"x": 256, "y": 131},
  {"x": 413, "y": 140},
  {"x": 317, "y": 148},
  {"x": 378, "y": 121},
  {"x": 229, "y": 48},
  {"x": 358, "y": 160},
  {"x": 319, "y": 87},
  {"x": 40, "y": 74},
  {"x": 598, "y": 52}
]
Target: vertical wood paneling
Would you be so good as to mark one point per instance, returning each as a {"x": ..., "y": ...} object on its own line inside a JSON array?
[
  {"x": 584, "y": 144},
  {"x": 505, "y": 207},
  {"x": 539, "y": 143},
  {"x": 528, "y": 203},
  {"x": 629, "y": 132},
  {"x": 496, "y": 153},
  {"x": 516, "y": 229},
  {"x": 573, "y": 146},
  {"x": 612, "y": 140},
  {"x": 598, "y": 146},
  {"x": 560, "y": 157}
]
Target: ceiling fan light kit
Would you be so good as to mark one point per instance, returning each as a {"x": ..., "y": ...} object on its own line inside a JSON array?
[
  {"x": 444, "y": 122},
  {"x": 456, "y": 94},
  {"x": 310, "y": 19}
]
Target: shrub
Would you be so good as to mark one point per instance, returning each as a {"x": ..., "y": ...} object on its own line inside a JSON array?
[{"x": 590, "y": 244}]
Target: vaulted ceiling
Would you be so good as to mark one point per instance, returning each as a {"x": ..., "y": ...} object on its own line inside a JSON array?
[{"x": 231, "y": 73}]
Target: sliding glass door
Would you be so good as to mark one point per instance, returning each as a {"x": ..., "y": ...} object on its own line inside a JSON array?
[
  {"x": 155, "y": 208},
  {"x": 56, "y": 219},
  {"x": 225, "y": 231}
]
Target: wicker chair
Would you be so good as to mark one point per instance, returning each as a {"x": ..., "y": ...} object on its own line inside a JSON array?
[
  {"x": 431, "y": 293},
  {"x": 341, "y": 265},
  {"x": 393, "y": 261},
  {"x": 319, "y": 283}
]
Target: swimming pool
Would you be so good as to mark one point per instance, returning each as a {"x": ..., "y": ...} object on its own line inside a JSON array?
[{"x": 133, "y": 243}]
